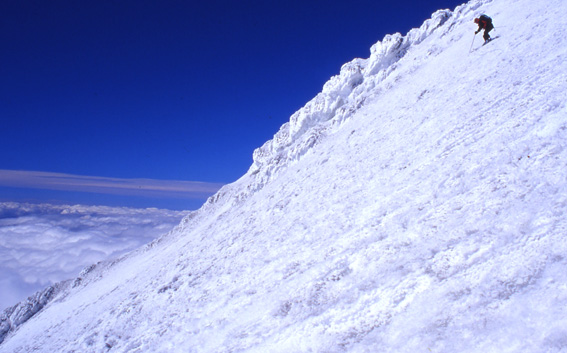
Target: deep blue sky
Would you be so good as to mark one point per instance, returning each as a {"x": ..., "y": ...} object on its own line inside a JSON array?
[{"x": 169, "y": 90}]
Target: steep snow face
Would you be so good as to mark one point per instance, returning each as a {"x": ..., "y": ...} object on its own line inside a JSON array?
[
  {"x": 341, "y": 97},
  {"x": 417, "y": 204}
]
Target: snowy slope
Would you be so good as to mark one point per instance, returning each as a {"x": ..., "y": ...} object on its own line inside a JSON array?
[{"x": 416, "y": 205}]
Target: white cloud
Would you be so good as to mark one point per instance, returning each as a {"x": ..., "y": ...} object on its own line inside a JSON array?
[{"x": 41, "y": 244}]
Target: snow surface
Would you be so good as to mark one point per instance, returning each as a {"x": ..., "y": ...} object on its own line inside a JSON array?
[{"x": 416, "y": 205}]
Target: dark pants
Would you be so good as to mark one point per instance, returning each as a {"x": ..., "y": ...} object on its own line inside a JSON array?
[{"x": 488, "y": 28}]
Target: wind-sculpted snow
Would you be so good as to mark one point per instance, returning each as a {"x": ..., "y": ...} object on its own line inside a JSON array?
[
  {"x": 339, "y": 99},
  {"x": 430, "y": 218},
  {"x": 342, "y": 95},
  {"x": 18, "y": 314}
]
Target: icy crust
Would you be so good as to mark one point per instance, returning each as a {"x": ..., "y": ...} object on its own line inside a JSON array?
[{"x": 341, "y": 96}]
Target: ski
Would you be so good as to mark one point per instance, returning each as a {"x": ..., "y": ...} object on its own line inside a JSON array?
[{"x": 490, "y": 40}]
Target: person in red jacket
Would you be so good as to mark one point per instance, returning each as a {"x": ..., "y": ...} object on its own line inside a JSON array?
[{"x": 484, "y": 22}]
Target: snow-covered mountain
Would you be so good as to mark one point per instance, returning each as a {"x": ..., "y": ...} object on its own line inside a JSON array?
[{"x": 417, "y": 204}]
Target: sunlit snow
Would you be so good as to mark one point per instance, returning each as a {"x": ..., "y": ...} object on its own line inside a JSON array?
[{"x": 416, "y": 205}]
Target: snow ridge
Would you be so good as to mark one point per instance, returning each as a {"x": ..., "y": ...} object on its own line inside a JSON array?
[
  {"x": 15, "y": 316},
  {"x": 432, "y": 218},
  {"x": 340, "y": 98},
  {"x": 343, "y": 95}
]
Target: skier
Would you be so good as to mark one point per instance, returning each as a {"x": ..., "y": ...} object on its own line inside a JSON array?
[{"x": 484, "y": 22}]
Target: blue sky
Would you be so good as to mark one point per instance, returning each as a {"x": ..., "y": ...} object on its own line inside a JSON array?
[{"x": 169, "y": 91}]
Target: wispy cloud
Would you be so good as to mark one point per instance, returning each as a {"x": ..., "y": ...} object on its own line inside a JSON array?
[{"x": 104, "y": 185}]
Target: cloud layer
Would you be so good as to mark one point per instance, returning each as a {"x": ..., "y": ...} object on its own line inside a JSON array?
[
  {"x": 104, "y": 185},
  {"x": 41, "y": 244}
]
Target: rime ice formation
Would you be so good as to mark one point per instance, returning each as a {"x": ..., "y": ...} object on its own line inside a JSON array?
[{"x": 417, "y": 204}]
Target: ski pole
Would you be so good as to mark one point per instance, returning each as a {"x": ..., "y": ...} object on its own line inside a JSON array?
[{"x": 470, "y": 50}]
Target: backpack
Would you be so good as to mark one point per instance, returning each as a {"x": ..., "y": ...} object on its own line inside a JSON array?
[{"x": 485, "y": 18}]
